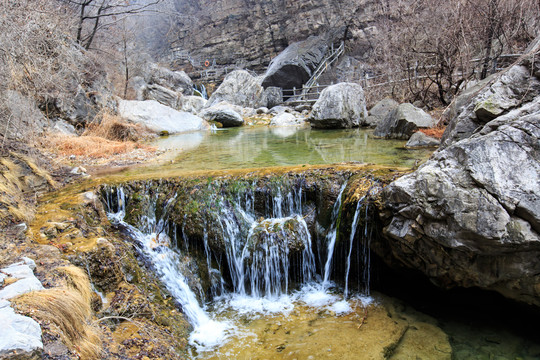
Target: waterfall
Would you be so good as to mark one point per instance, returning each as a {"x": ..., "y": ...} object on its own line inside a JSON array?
[
  {"x": 351, "y": 241},
  {"x": 331, "y": 237},
  {"x": 155, "y": 245},
  {"x": 255, "y": 246},
  {"x": 259, "y": 260}
]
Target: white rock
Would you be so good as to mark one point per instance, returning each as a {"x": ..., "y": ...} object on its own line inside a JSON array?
[
  {"x": 239, "y": 88},
  {"x": 19, "y": 270},
  {"x": 63, "y": 127},
  {"x": 341, "y": 105},
  {"x": 158, "y": 117},
  {"x": 193, "y": 104},
  {"x": 20, "y": 287},
  {"x": 286, "y": 119},
  {"x": 31, "y": 263},
  {"x": 20, "y": 334}
]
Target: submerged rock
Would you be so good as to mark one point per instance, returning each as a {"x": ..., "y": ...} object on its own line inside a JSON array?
[
  {"x": 339, "y": 106},
  {"x": 158, "y": 117},
  {"x": 403, "y": 121}
]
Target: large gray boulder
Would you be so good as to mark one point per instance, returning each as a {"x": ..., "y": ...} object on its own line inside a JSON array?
[
  {"x": 223, "y": 114},
  {"x": 403, "y": 121},
  {"x": 193, "y": 104},
  {"x": 294, "y": 66},
  {"x": 177, "y": 81},
  {"x": 21, "y": 335},
  {"x": 287, "y": 119},
  {"x": 470, "y": 216},
  {"x": 489, "y": 99},
  {"x": 160, "y": 118},
  {"x": 239, "y": 88},
  {"x": 339, "y": 106},
  {"x": 379, "y": 112},
  {"x": 419, "y": 139},
  {"x": 272, "y": 96},
  {"x": 162, "y": 95}
]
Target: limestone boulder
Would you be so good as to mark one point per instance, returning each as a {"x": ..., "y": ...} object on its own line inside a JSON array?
[
  {"x": 63, "y": 127},
  {"x": 403, "y": 121},
  {"x": 193, "y": 104},
  {"x": 489, "y": 99},
  {"x": 162, "y": 95},
  {"x": 272, "y": 96},
  {"x": 287, "y": 119},
  {"x": 177, "y": 81},
  {"x": 223, "y": 114},
  {"x": 419, "y": 139},
  {"x": 339, "y": 106},
  {"x": 21, "y": 335},
  {"x": 239, "y": 88},
  {"x": 470, "y": 216},
  {"x": 158, "y": 117},
  {"x": 379, "y": 112}
]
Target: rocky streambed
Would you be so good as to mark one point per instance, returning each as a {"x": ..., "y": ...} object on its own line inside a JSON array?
[{"x": 182, "y": 226}]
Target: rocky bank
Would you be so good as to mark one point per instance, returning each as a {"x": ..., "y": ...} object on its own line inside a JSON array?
[{"x": 470, "y": 215}]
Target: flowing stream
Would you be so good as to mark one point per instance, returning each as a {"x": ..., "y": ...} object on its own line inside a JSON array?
[
  {"x": 280, "y": 284},
  {"x": 263, "y": 255}
]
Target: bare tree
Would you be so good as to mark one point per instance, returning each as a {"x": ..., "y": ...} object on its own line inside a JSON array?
[
  {"x": 437, "y": 46},
  {"x": 94, "y": 15}
]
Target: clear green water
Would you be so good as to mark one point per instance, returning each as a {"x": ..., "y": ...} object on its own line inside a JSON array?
[
  {"x": 309, "y": 334},
  {"x": 237, "y": 148}
]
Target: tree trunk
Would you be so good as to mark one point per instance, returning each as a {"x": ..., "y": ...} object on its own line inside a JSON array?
[{"x": 488, "y": 45}]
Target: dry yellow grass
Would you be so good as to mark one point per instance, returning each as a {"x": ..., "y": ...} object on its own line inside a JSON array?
[
  {"x": 19, "y": 176},
  {"x": 115, "y": 128},
  {"x": 107, "y": 136},
  {"x": 67, "y": 311},
  {"x": 436, "y": 132},
  {"x": 92, "y": 146}
]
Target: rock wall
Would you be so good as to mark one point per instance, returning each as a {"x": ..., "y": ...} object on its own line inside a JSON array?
[{"x": 250, "y": 33}]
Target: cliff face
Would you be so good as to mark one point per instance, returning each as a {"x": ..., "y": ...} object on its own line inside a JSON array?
[{"x": 250, "y": 33}]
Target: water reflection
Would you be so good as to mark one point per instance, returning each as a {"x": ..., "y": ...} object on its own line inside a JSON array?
[{"x": 263, "y": 146}]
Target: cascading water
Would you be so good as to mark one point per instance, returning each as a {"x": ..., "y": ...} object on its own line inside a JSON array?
[
  {"x": 155, "y": 245},
  {"x": 332, "y": 237},
  {"x": 262, "y": 253},
  {"x": 351, "y": 242},
  {"x": 259, "y": 260}
]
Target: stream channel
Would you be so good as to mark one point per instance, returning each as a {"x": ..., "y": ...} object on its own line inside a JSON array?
[{"x": 278, "y": 266}]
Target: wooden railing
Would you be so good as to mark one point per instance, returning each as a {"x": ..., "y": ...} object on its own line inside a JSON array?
[{"x": 310, "y": 91}]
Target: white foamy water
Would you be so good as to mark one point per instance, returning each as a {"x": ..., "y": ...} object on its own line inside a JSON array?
[
  {"x": 155, "y": 247},
  {"x": 257, "y": 258}
]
